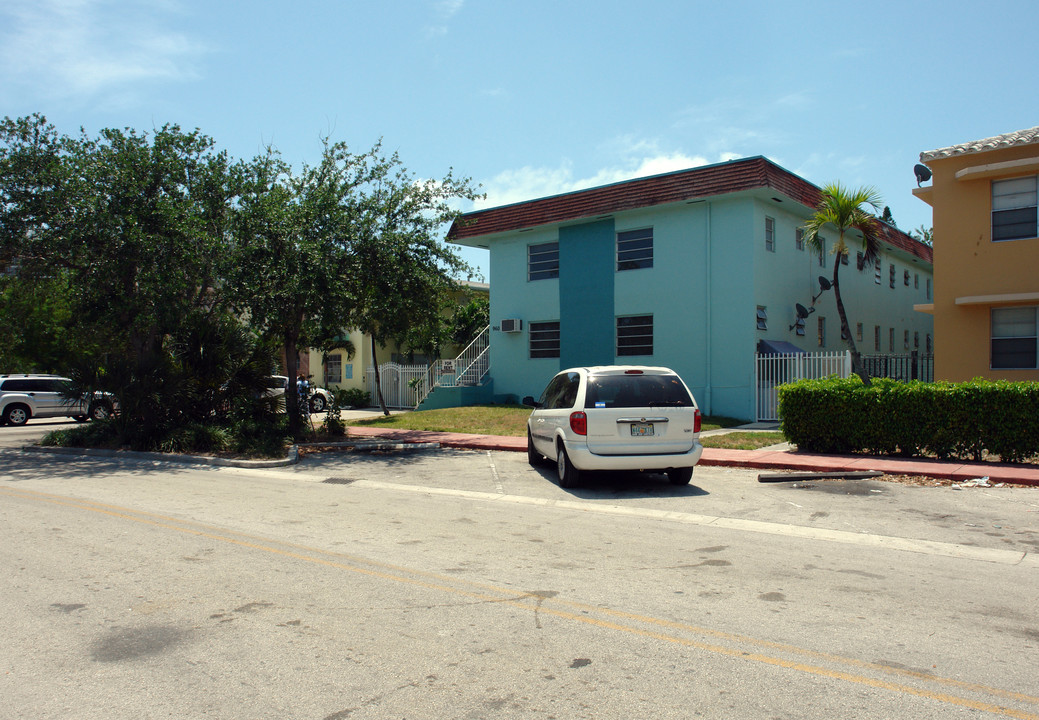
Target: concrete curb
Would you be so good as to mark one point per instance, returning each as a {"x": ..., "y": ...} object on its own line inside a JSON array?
[{"x": 291, "y": 459}]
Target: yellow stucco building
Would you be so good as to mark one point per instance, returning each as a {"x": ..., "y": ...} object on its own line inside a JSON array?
[{"x": 986, "y": 257}]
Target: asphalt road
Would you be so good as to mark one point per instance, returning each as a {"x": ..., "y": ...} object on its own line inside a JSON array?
[{"x": 463, "y": 584}]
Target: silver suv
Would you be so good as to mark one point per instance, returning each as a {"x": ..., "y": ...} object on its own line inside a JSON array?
[{"x": 41, "y": 396}]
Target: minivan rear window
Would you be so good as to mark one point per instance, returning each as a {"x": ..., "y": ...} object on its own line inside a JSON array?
[{"x": 630, "y": 391}]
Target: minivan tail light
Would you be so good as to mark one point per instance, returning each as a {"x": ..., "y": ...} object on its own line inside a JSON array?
[
  {"x": 579, "y": 423},
  {"x": 696, "y": 421}
]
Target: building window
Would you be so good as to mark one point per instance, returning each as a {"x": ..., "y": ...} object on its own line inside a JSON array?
[
  {"x": 916, "y": 341},
  {"x": 844, "y": 258},
  {"x": 543, "y": 261},
  {"x": 822, "y": 253},
  {"x": 858, "y": 332},
  {"x": 334, "y": 369},
  {"x": 1014, "y": 209},
  {"x": 544, "y": 339},
  {"x": 635, "y": 249},
  {"x": 928, "y": 288},
  {"x": 930, "y": 349},
  {"x": 822, "y": 332},
  {"x": 860, "y": 261},
  {"x": 891, "y": 340},
  {"x": 635, "y": 335},
  {"x": 905, "y": 278},
  {"x": 770, "y": 234},
  {"x": 799, "y": 239},
  {"x": 905, "y": 340},
  {"x": 916, "y": 281},
  {"x": 891, "y": 276},
  {"x": 762, "y": 317},
  {"x": 876, "y": 338},
  {"x": 1015, "y": 338},
  {"x": 876, "y": 272}
]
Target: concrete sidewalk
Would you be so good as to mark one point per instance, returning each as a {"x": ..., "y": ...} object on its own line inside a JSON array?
[{"x": 766, "y": 458}]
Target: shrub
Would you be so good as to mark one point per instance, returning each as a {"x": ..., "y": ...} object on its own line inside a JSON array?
[
  {"x": 353, "y": 398},
  {"x": 944, "y": 419},
  {"x": 197, "y": 438}
]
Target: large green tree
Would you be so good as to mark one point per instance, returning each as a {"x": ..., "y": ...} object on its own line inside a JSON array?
[
  {"x": 290, "y": 269},
  {"x": 849, "y": 213},
  {"x": 405, "y": 277},
  {"x": 130, "y": 226}
]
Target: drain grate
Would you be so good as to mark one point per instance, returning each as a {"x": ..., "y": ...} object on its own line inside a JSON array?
[{"x": 339, "y": 480}]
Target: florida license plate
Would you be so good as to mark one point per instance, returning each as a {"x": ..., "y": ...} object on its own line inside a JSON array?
[{"x": 641, "y": 429}]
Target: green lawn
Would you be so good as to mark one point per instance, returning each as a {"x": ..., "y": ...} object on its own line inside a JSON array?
[
  {"x": 508, "y": 420},
  {"x": 743, "y": 440}
]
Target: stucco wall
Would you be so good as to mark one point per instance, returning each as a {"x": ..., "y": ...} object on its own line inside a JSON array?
[
  {"x": 710, "y": 272},
  {"x": 968, "y": 264}
]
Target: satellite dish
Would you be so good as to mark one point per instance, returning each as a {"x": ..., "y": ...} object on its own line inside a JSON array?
[
  {"x": 923, "y": 173},
  {"x": 802, "y": 311},
  {"x": 824, "y": 285}
]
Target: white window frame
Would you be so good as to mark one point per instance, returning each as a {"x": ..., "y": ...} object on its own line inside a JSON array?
[
  {"x": 540, "y": 263},
  {"x": 1018, "y": 325},
  {"x": 632, "y": 251},
  {"x": 545, "y": 334},
  {"x": 637, "y": 327},
  {"x": 1015, "y": 204},
  {"x": 334, "y": 369}
]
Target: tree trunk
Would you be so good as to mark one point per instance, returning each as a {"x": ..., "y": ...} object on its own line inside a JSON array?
[
  {"x": 291, "y": 393},
  {"x": 378, "y": 380},
  {"x": 856, "y": 360}
]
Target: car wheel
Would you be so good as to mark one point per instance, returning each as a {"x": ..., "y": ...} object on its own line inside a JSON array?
[
  {"x": 680, "y": 476},
  {"x": 100, "y": 411},
  {"x": 317, "y": 404},
  {"x": 533, "y": 456},
  {"x": 568, "y": 474},
  {"x": 16, "y": 415},
  {"x": 80, "y": 418}
]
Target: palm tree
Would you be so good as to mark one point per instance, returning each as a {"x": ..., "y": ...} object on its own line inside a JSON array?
[{"x": 847, "y": 211}]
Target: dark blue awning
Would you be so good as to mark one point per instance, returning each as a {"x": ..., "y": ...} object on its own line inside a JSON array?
[{"x": 778, "y": 347}]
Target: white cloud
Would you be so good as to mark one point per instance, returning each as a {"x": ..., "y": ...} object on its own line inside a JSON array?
[
  {"x": 527, "y": 183},
  {"x": 82, "y": 48},
  {"x": 443, "y": 11}
]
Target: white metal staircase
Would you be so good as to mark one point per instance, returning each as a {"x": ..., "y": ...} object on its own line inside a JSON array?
[{"x": 468, "y": 369}]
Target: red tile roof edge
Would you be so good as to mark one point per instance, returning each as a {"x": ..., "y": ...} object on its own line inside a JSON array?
[{"x": 683, "y": 185}]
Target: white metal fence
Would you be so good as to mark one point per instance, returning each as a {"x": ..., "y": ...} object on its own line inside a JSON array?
[
  {"x": 771, "y": 371},
  {"x": 398, "y": 390}
]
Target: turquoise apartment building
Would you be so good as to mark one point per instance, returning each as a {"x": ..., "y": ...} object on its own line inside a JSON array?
[{"x": 696, "y": 270}]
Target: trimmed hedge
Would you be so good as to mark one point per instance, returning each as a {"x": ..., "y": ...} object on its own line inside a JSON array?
[{"x": 943, "y": 419}]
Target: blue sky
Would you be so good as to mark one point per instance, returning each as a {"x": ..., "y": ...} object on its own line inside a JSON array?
[{"x": 536, "y": 98}]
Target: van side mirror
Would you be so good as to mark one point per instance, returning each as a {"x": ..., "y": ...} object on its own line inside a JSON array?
[{"x": 529, "y": 401}]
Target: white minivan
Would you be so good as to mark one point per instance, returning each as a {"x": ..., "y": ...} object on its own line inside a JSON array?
[{"x": 616, "y": 417}]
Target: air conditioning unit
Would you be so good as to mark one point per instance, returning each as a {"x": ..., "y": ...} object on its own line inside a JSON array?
[{"x": 511, "y": 325}]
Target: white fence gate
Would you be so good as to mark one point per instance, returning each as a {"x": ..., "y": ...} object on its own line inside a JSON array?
[
  {"x": 398, "y": 390},
  {"x": 771, "y": 371}
]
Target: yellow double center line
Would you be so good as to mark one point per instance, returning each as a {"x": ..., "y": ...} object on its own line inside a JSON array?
[{"x": 933, "y": 687}]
